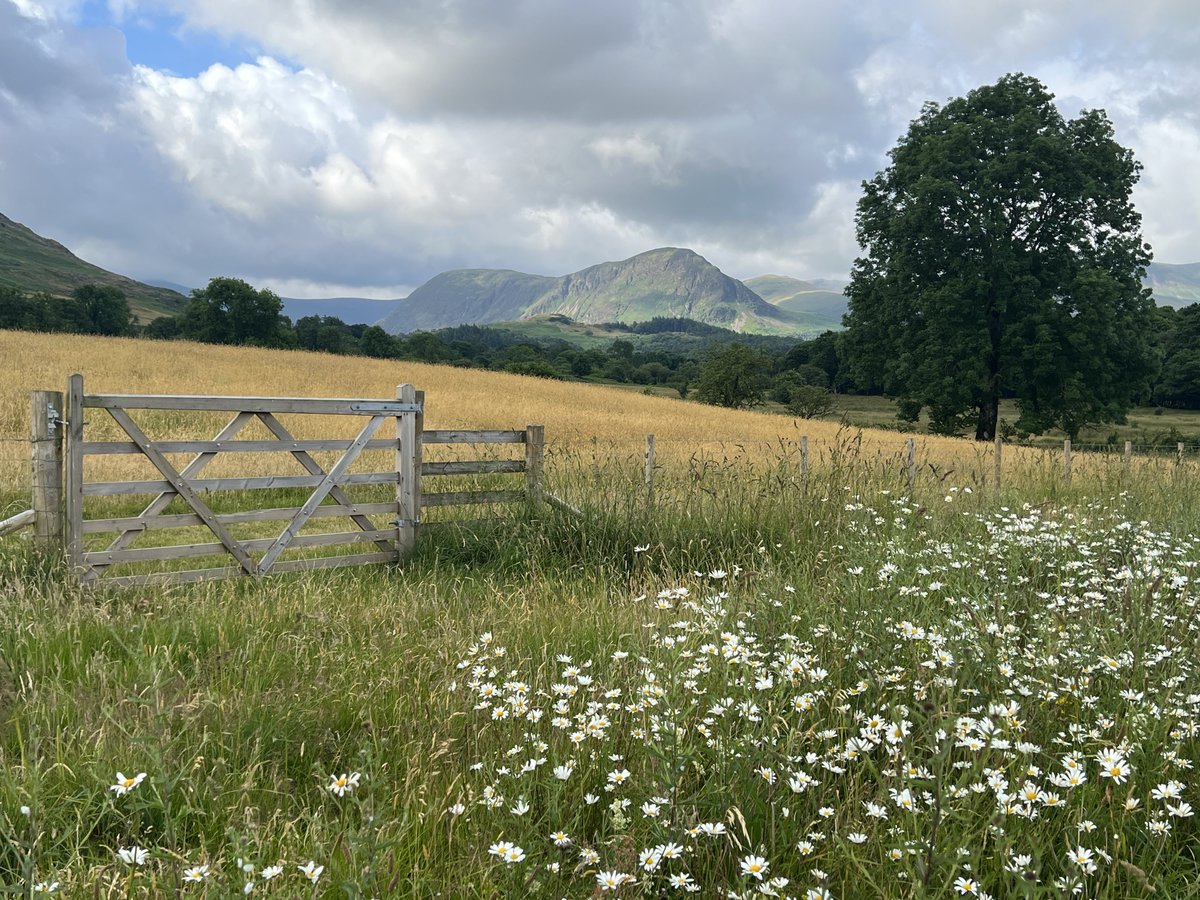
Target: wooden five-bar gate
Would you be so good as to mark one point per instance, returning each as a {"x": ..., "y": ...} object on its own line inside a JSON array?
[{"x": 329, "y": 488}]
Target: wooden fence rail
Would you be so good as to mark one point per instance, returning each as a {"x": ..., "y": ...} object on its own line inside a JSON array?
[{"x": 62, "y": 493}]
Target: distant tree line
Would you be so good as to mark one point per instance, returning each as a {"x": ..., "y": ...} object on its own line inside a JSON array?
[
  {"x": 700, "y": 361},
  {"x": 90, "y": 309}
]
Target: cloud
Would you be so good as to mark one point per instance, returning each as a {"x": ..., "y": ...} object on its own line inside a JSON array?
[{"x": 375, "y": 144}]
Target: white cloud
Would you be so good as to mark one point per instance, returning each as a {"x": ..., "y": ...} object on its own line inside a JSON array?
[{"x": 375, "y": 144}]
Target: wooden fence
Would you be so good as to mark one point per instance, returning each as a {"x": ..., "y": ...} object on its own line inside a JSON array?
[{"x": 61, "y": 491}]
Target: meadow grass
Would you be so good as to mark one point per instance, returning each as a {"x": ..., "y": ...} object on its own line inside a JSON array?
[{"x": 755, "y": 684}]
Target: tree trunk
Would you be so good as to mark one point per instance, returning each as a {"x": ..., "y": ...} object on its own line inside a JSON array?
[{"x": 989, "y": 414}]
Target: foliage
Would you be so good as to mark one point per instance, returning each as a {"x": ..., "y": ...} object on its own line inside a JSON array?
[
  {"x": 105, "y": 309},
  {"x": 1003, "y": 257},
  {"x": 91, "y": 309},
  {"x": 230, "y": 311},
  {"x": 1179, "y": 383},
  {"x": 733, "y": 376},
  {"x": 810, "y": 402}
]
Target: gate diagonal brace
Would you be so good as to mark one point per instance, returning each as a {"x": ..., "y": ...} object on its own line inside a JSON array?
[
  {"x": 314, "y": 468},
  {"x": 163, "y": 500},
  {"x": 318, "y": 495},
  {"x": 181, "y": 486}
]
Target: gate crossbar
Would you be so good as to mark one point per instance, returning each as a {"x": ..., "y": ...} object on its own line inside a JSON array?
[
  {"x": 184, "y": 484},
  {"x": 183, "y": 489}
]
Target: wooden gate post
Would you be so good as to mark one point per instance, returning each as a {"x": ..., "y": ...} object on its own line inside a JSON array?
[
  {"x": 649, "y": 470},
  {"x": 73, "y": 474},
  {"x": 408, "y": 468},
  {"x": 996, "y": 462},
  {"x": 910, "y": 449},
  {"x": 535, "y": 452},
  {"x": 47, "y": 461}
]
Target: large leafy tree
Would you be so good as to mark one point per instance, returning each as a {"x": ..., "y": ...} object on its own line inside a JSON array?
[
  {"x": 734, "y": 376},
  {"x": 1003, "y": 258},
  {"x": 230, "y": 311},
  {"x": 1179, "y": 384}
]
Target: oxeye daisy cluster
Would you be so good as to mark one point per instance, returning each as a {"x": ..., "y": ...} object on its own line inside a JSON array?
[
  {"x": 999, "y": 704},
  {"x": 134, "y": 862},
  {"x": 971, "y": 716}
]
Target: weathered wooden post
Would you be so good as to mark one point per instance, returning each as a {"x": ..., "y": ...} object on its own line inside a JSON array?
[
  {"x": 649, "y": 469},
  {"x": 1179, "y": 454},
  {"x": 73, "y": 473},
  {"x": 409, "y": 426},
  {"x": 1128, "y": 459},
  {"x": 535, "y": 453},
  {"x": 996, "y": 463},
  {"x": 1067, "y": 462},
  {"x": 910, "y": 450},
  {"x": 47, "y": 461},
  {"x": 804, "y": 459}
]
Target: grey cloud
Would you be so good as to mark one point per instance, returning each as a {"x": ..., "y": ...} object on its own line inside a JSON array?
[{"x": 402, "y": 139}]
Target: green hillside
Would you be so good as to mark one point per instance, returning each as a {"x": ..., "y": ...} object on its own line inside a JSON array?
[
  {"x": 665, "y": 282},
  {"x": 32, "y": 263},
  {"x": 818, "y": 308}
]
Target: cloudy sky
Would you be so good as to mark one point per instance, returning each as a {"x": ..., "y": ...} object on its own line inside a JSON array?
[{"x": 330, "y": 147}]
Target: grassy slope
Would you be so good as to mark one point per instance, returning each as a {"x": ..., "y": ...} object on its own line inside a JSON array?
[{"x": 31, "y": 263}]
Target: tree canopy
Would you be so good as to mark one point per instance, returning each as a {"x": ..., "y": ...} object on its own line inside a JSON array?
[
  {"x": 1003, "y": 258},
  {"x": 734, "y": 376},
  {"x": 230, "y": 311}
]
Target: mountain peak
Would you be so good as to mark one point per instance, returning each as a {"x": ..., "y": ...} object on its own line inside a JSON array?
[{"x": 665, "y": 281}]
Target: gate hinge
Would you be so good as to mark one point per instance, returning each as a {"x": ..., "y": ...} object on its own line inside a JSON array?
[{"x": 404, "y": 523}]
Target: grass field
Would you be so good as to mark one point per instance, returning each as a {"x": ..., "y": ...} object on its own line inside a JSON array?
[{"x": 761, "y": 684}]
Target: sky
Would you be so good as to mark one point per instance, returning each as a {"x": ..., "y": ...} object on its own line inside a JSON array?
[{"x": 337, "y": 148}]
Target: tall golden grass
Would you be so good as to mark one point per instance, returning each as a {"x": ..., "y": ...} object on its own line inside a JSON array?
[{"x": 598, "y": 419}]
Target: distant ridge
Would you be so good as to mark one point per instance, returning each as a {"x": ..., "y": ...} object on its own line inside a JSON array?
[
  {"x": 32, "y": 263},
  {"x": 669, "y": 281},
  {"x": 820, "y": 307}
]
